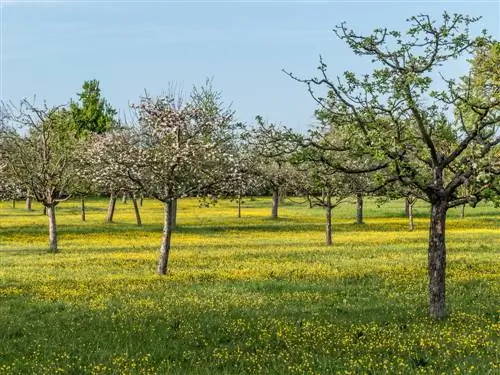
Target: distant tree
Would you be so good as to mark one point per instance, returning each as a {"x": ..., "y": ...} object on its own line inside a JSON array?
[
  {"x": 400, "y": 118},
  {"x": 92, "y": 113},
  {"x": 38, "y": 154}
]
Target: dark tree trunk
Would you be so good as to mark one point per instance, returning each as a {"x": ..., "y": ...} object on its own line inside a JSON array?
[
  {"x": 28, "y": 204},
  {"x": 136, "y": 210},
  {"x": 141, "y": 198},
  {"x": 83, "y": 208},
  {"x": 166, "y": 238},
  {"x": 276, "y": 202},
  {"x": 51, "y": 212},
  {"x": 111, "y": 208},
  {"x": 13, "y": 203},
  {"x": 44, "y": 210},
  {"x": 359, "y": 208},
  {"x": 239, "y": 206},
  {"x": 437, "y": 260},
  {"x": 407, "y": 206},
  {"x": 328, "y": 207}
]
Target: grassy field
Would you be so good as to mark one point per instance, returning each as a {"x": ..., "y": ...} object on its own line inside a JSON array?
[{"x": 250, "y": 295}]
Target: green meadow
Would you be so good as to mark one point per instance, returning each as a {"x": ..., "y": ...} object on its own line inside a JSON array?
[{"x": 247, "y": 295}]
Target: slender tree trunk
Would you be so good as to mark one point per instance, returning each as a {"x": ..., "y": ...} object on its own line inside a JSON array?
[
  {"x": 437, "y": 260},
  {"x": 462, "y": 211},
  {"x": 329, "y": 241},
  {"x": 166, "y": 238},
  {"x": 125, "y": 197},
  {"x": 83, "y": 209},
  {"x": 407, "y": 206},
  {"x": 13, "y": 203},
  {"x": 28, "y": 204},
  {"x": 239, "y": 206},
  {"x": 359, "y": 208},
  {"x": 111, "y": 208},
  {"x": 310, "y": 201},
  {"x": 51, "y": 212},
  {"x": 410, "y": 216},
  {"x": 136, "y": 210},
  {"x": 141, "y": 198},
  {"x": 276, "y": 202}
]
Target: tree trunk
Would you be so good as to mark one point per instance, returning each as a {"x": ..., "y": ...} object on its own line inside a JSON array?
[
  {"x": 173, "y": 214},
  {"x": 462, "y": 212},
  {"x": 28, "y": 204},
  {"x": 239, "y": 206},
  {"x": 276, "y": 202},
  {"x": 328, "y": 207},
  {"x": 125, "y": 197},
  {"x": 437, "y": 260},
  {"x": 13, "y": 203},
  {"x": 83, "y": 208},
  {"x": 310, "y": 201},
  {"x": 44, "y": 211},
  {"x": 111, "y": 208},
  {"x": 141, "y": 198},
  {"x": 359, "y": 208},
  {"x": 136, "y": 210},
  {"x": 410, "y": 216},
  {"x": 407, "y": 206},
  {"x": 51, "y": 211},
  {"x": 166, "y": 238}
]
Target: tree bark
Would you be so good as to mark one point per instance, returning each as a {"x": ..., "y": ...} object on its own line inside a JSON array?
[
  {"x": 111, "y": 208},
  {"x": 462, "y": 212},
  {"x": 410, "y": 216},
  {"x": 239, "y": 206},
  {"x": 166, "y": 238},
  {"x": 51, "y": 212},
  {"x": 173, "y": 214},
  {"x": 28, "y": 204},
  {"x": 276, "y": 202},
  {"x": 328, "y": 207},
  {"x": 141, "y": 198},
  {"x": 83, "y": 208},
  {"x": 437, "y": 259},
  {"x": 359, "y": 208},
  {"x": 407, "y": 206},
  {"x": 13, "y": 203},
  {"x": 136, "y": 211}
]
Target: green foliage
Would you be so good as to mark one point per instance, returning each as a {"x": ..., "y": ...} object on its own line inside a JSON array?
[{"x": 92, "y": 114}]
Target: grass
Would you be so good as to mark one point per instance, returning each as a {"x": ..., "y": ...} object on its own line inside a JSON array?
[{"x": 249, "y": 295}]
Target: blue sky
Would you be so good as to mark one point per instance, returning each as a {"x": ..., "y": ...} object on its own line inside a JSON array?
[{"x": 48, "y": 48}]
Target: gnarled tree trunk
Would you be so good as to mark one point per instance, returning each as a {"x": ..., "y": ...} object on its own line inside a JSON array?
[
  {"x": 166, "y": 238},
  {"x": 359, "y": 207},
  {"x": 276, "y": 202},
  {"x": 437, "y": 259},
  {"x": 111, "y": 208},
  {"x": 51, "y": 212}
]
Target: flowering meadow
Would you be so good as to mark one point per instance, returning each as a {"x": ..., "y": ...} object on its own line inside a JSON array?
[{"x": 245, "y": 295}]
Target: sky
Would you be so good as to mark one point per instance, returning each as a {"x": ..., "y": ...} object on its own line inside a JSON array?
[{"x": 49, "y": 48}]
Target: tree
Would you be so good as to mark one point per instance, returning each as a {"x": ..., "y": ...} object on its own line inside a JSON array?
[
  {"x": 40, "y": 158},
  {"x": 399, "y": 117},
  {"x": 175, "y": 150},
  {"x": 92, "y": 113}
]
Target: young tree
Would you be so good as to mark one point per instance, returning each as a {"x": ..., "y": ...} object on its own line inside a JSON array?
[
  {"x": 41, "y": 157},
  {"x": 399, "y": 116}
]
